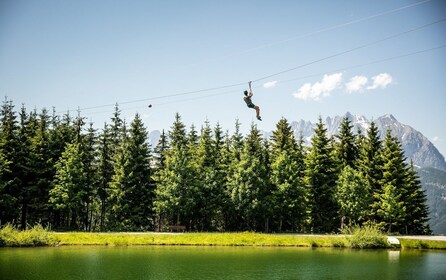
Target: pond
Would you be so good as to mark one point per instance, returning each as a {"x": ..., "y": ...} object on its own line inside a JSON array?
[{"x": 188, "y": 262}]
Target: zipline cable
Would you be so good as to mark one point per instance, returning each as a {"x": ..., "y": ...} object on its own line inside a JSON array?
[
  {"x": 271, "y": 75},
  {"x": 367, "y": 64},
  {"x": 351, "y": 50},
  {"x": 283, "y": 81},
  {"x": 331, "y": 28}
]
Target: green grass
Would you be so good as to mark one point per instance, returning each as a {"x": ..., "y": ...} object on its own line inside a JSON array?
[
  {"x": 202, "y": 239},
  {"x": 365, "y": 237},
  {"x": 355, "y": 237},
  {"x": 37, "y": 236},
  {"x": 407, "y": 243}
]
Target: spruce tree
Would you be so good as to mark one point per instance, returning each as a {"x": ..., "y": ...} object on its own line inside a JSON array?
[
  {"x": 174, "y": 204},
  {"x": 9, "y": 209},
  {"x": 206, "y": 191},
  {"x": 346, "y": 149},
  {"x": 132, "y": 183},
  {"x": 24, "y": 136},
  {"x": 417, "y": 211},
  {"x": 321, "y": 176},
  {"x": 105, "y": 173},
  {"x": 69, "y": 186},
  {"x": 370, "y": 165},
  {"x": 6, "y": 199},
  {"x": 41, "y": 170},
  {"x": 394, "y": 179},
  {"x": 249, "y": 183},
  {"x": 286, "y": 176},
  {"x": 220, "y": 152},
  {"x": 160, "y": 151},
  {"x": 89, "y": 158}
]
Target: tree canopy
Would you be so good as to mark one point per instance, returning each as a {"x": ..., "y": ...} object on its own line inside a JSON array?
[{"x": 56, "y": 170}]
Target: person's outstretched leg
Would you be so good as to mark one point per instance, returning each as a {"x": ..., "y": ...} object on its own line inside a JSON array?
[{"x": 258, "y": 113}]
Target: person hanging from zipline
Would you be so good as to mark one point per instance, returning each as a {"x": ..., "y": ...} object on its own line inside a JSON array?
[{"x": 249, "y": 103}]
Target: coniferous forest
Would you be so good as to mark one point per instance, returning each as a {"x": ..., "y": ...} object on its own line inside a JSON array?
[{"x": 61, "y": 172}]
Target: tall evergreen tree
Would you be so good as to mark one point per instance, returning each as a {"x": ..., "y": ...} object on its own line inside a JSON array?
[
  {"x": 90, "y": 164},
  {"x": 9, "y": 209},
  {"x": 160, "y": 151},
  {"x": 206, "y": 191},
  {"x": 116, "y": 129},
  {"x": 289, "y": 191},
  {"x": 41, "y": 170},
  {"x": 346, "y": 149},
  {"x": 237, "y": 142},
  {"x": 69, "y": 186},
  {"x": 393, "y": 180},
  {"x": 174, "y": 193},
  {"x": 321, "y": 176},
  {"x": 219, "y": 177},
  {"x": 370, "y": 165},
  {"x": 132, "y": 182},
  {"x": 105, "y": 173},
  {"x": 6, "y": 199},
  {"x": 416, "y": 206},
  {"x": 28, "y": 126},
  {"x": 249, "y": 183}
]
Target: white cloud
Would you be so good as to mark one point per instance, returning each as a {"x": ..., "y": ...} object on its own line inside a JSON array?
[
  {"x": 270, "y": 84},
  {"x": 381, "y": 81},
  {"x": 357, "y": 83},
  {"x": 320, "y": 89},
  {"x": 436, "y": 139}
]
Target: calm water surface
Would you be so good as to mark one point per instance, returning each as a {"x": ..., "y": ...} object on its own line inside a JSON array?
[{"x": 165, "y": 262}]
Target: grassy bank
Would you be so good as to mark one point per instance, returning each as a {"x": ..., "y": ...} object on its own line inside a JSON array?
[
  {"x": 37, "y": 236},
  {"x": 407, "y": 243},
  {"x": 354, "y": 238},
  {"x": 201, "y": 239}
]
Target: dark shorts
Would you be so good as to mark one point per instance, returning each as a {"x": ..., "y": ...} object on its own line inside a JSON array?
[{"x": 251, "y": 105}]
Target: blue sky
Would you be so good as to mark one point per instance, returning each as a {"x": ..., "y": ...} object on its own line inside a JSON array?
[{"x": 83, "y": 54}]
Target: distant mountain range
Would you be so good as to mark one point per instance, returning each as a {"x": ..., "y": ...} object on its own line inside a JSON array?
[
  {"x": 434, "y": 184},
  {"x": 416, "y": 146}
]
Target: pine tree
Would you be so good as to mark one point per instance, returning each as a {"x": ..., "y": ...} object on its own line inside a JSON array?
[
  {"x": 9, "y": 209},
  {"x": 321, "y": 176},
  {"x": 90, "y": 164},
  {"x": 370, "y": 165},
  {"x": 219, "y": 175},
  {"x": 105, "y": 173},
  {"x": 233, "y": 147},
  {"x": 249, "y": 183},
  {"x": 206, "y": 191},
  {"x": 116, "y": 129},
  {"x": 41, "y": 170},
  {"x": 417, "y": 210},
  {"x": 237, "y": 142},
  {"x": 132, "y": 184},
  {"x": 24, "y": 136},
  {"x": 174, "y": 193},
  {"x": 69, "y": 185},
  {"x": 286, "y": 177},
  {"x": 160, "y": 151},
  {"x": 394, "y": 185},
  {"x": 346, "y": 148},
  {"x": 6, "y": 199}
]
